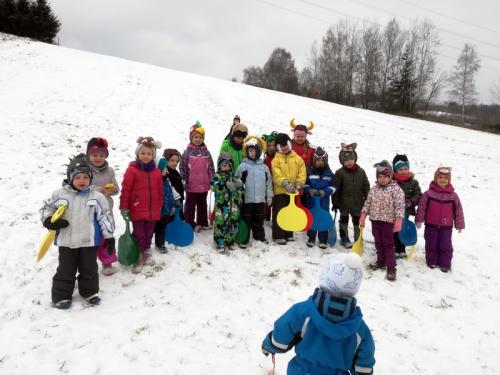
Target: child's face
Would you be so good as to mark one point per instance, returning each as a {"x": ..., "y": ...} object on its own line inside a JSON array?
[
  {"x": 285, "y": 149},
  {"x": 349, "y": 163},
  {"x": 319, "y": 163},
  {"x": 225, "y": 167},
  {"x": 197, "y": 139},
  {"x": 173, "y": 162},
  {"x": 271, "y": 148},
  {"x": 403, "y": 170},
  {"x": 98, "y": 159},
  {"x": 442, "y": 180},
  {"x": 145, "y": 155},
  {"x": 299, "y": 138},
  {"x": 383, "y": 180},
  {"x": 251, "y": 153},
  {"x": 238, "y": 140},
  {"x": 81, "y": 181}
]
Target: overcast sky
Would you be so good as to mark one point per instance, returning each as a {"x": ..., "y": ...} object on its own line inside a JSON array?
[{"x": 221, "y": 37}]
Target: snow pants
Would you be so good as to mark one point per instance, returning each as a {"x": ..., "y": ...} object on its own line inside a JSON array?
[
  {"x": 280, "y": 201},
  {"x": 384, "y": 243},
  {"x": 196, "y": 203},
  {"x": 83, "y": 260},
  {"x": 143, "y": 233},
  {"x": 253, "y": 214},
  {"x": 344, "y": 225},
  {"x": 160, "y": 227},
  {"x": 438, "y": 246}
]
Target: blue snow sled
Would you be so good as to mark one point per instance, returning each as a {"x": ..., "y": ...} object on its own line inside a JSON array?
[
  {"x": 178, "y": 232},
  {"x": 408, "y": 233},
  {"x": 322, "y": 220}
]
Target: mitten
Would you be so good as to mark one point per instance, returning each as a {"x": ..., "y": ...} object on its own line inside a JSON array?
[
  {"x": 362, "y": 219},
  {"x": 312, "y": 192},
  {"x": 264, "y": 351},
  {"x": 56, "y": 225},
  {"x": 125, "y": 214},
  {"x": 298, "y": 185},
  {"x": 418, "y": 225},
  {"x": 321, "y": 193},
  {"x": 289, "y": 187},
  {"x": 269, "y": 201},
  {"x": 408, "y": 203},
  {"x": 397, "y": 225},
  {"x": 110, "y": 245},
  {"x": 231, "y": 185},
  {"x": 238, "y": 183}
]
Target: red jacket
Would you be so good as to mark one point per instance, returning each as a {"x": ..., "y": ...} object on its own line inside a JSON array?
[
  {"x": 142, "y": 193},
  {"x": 305, "y": 151}
]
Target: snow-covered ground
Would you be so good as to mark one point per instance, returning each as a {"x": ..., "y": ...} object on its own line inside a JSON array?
[{"x": 198, "y": 312}]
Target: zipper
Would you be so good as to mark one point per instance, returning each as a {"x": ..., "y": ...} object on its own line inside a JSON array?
[{"x": 150, "y": 197}]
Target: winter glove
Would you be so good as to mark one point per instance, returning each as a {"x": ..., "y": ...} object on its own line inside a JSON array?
[
  {"x": 312, "y": 192},
  {"x": 238, "y": 183},
  {"x": 321, "y": 193},
  {"x": 125, "y": 214},
  {"x": 231, "y": 185},
  {"x": 264, "y": 351},
  {"x": 289, "y": 187},
  {"x": 362, "y": 219},
  {"x": 299, "y": 185},
  {"x": 56, "y": 225},
  {"x": 110, "y": 245},
  {"x": 408, "y": 203},
  {"x": 397, "y": 225},
  {"x": 418, "y": 225}
]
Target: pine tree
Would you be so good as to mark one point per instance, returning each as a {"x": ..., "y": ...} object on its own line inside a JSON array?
[
  {"x": 8, "y": 12},
  {"x": 46, "y": 24},
  {"x": 403, "y": 88}
]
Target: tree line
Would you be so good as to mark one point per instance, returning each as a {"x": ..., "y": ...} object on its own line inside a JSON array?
[
  {"x": 29, "y": 18},
  {"x": 386, "y": 68}
]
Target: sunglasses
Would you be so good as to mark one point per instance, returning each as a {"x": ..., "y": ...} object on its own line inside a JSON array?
[{"x": 240, "y": 134}]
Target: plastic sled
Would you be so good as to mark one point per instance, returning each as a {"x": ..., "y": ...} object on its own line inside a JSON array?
[
  {"x": 178, "y": 232},
  {"x": 292, "y": 218},
  {"x": 50, "y": 236},
  {"x": 298, "y": 203},
  {"x": 322, "y": 220},
  {"x": 243, "y": 234},
  {"x": 357, "y": 247},
  {"x": 128, "y": 251},
  {"x": 332, "y": 233},
  {"x": 408, "y": 233}
]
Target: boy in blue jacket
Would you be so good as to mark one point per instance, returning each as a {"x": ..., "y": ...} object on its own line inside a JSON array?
[
  {"x": 327, "y": 330},
  {"x": 320, "y": 183}
]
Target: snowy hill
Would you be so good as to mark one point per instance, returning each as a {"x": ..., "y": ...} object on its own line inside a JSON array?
[{"x": 198, "y": 312}]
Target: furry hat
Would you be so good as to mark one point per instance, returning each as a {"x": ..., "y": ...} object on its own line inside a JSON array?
[
  {"x": 223, "y": 158},
  {"x": 239, "y": 130},
  {"x": 348, "y": 152},
  {"x": 196, "y": 128},
  {"x": 400, "y": 161},
  {"x": 383, "y": 168},
  {"x": 305, "y": 130},
  {"x": 270, "y": 137},
  {"x": 169, "y": 152},
  {"x": 257, "y": 142},
  {"x": 78, "y": 164},
  {"x": 282, "y": 140},
  {"x": 320, "y": 153},
  {"x": 147, "y": 142},
  {"x": 341, "y": 274},
  {"x": 445, "y": 171},
  {"x": 96, "y": 145}
]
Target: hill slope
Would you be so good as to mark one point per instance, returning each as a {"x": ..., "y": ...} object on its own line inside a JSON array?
[{"x": 198, "y": 312}]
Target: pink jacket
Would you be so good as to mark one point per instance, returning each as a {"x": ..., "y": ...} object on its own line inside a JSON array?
[
  {"x": 385, "y": 203},
  {"x": 197, "y": 168},
  {"x": 440, "y": 207}
]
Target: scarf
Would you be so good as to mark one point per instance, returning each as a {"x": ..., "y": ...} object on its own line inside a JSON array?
[{"x": 146, "y": 167}]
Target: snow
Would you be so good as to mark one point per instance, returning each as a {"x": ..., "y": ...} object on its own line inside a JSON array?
[{"x": 196, "y": 311}]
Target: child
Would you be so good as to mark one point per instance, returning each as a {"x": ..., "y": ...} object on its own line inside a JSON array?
[
  {"x": 406, "y": 181},
  {"x": 102, "y": 176},
  {"x": 289, "y": 176},
  {"x": 327, "y": 330},
  {"x": 320, "y": 183},
  {"x": 439, "y": 208},
  {"x": 352, "y": 190},
  {"x": 86, "y": 219},
  {"x": 142, "y": 198},
  {"x": 384, "y": 204},
  {"x": 300, "y": 144},
  {"x": 270, "y": 152},
  {"x": 234, "y": 143},
  {"x": 197, "y": 170},
  {"x": 258, "y": 187},
  {"x": 228, "y": 193}
]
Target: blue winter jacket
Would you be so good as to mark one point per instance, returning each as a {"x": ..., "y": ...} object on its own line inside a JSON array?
[
  {"x": 320, "y": 180},
  {"x": 168, "y": 198},
  {"x": 322, "y": 346},
  {"x": 257, "y": 179}
]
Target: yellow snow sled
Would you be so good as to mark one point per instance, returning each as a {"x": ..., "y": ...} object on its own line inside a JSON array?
[
  {"x": 357, "y": 247},
  {"x": 48, "y": 239}
]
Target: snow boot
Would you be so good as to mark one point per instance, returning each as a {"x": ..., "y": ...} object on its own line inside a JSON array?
[
  {"x": 108, "y": 270},
  {"x": 344, "y": 241},
  {"x": 162, "y": 249},
  {"x": 376, "y": 266},
  {"x": 94, "y": 300},
  {"x": 322, "y": 245},
  {"x": 280, "y": 241},
  {"x": 391, "y": 274},
  {"x": 137, "y": 267},
  {"x": 63, "y": 305},
  {"x": 310, "y": 243}
]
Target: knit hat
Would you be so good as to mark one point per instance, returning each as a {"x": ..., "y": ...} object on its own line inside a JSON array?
[
  {"x": 282, "y": 140},
  {"x": 236, "y": 117},
  {"x": 78, "y": 164},
  {"x": 169, "y": 152},
  {"x": 96, "y": 145},
  {"x": 320, "y": 153},
  {"x": 348, "y": 152},
  {"x": 341, "y": 274},
  {"x": 256, "y": 142},
  {"x": 400, "y": 161},
  {"x": 383, "y": 168},
  {"x": 239, "y": 130},
  {"x": 445, "y": 171},
  {"x": 305, "y": 130},
  {"x": 223, "y": 158},
  {"x": 196, "y": 128},
  {"x": 147, "y": 142}
]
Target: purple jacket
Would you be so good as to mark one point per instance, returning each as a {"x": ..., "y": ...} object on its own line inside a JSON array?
[
  {"x": 440, "y": 207},
  {"x": 196, "y": 168}
]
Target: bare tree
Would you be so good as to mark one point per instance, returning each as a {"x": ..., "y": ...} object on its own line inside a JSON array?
[
  {"x": 309, "y": 79},
  {"x": 437, "y": 83},
  {"x": 254, "y": 76},
  {"x": 495, "y": 91},
  {"x": 280, "y": 73},
  {"x": 462, "y": 78},
  {"x": 370, "y": 63}
]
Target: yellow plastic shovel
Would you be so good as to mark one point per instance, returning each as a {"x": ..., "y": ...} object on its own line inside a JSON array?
[
  {"x": 357, "y": 247},
  {"x": 48, "y": 239},
  {"x": 411, "y": 252}
]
